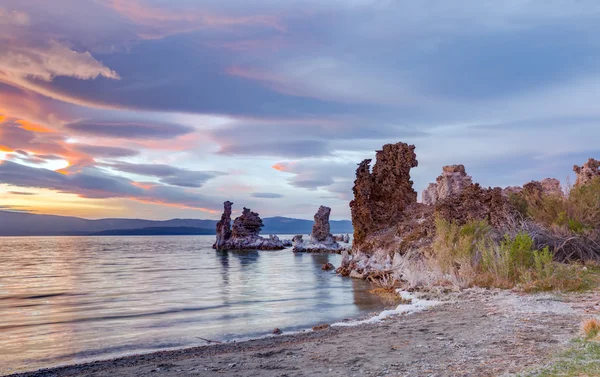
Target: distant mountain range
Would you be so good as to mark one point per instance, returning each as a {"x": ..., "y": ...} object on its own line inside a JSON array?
[{"x": 27, "y": 224}]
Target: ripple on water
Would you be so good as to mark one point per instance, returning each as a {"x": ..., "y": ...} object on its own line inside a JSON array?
[{"x": 73, "y": 299}]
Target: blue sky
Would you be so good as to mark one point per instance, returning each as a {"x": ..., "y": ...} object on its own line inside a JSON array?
[{"x": 161, "y": 109}]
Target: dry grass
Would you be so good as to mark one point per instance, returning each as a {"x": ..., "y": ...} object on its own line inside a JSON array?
[
  {"x": 387, "y": 289},
  {"x": 471, "y": 255},
  {"x": 591, "y": 328},
  {"x": 569, "y": 225}
]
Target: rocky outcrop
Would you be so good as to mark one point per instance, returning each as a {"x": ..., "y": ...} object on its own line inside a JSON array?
[
  {"x": 382, "y": 196},
  {"x": 475, "y": 203},
  {"x": 451, "y": 183},
  {"x": 244, "y": 235},
  {"x": 551, "y": 186},
  {"x": 389, "y": 224},
  {"x": 321, "y": 231},
  {"x": 387, "y": 218},
  {"x": 587, "y": 172},
  {"x": 511, "y": 190},
  {"x": 224, "y": 227},
  {"x": 321, "y": 240}
]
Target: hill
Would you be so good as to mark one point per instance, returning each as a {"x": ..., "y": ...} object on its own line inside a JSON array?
[
  {"x": 156, "y": 231},
  {"x": 27, "y": 224}
]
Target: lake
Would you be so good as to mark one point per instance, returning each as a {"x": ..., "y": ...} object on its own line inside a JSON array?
[{"x": 67, "y": 300}]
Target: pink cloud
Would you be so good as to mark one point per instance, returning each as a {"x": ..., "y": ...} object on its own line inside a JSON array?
[{"x": 161, "y": 22}]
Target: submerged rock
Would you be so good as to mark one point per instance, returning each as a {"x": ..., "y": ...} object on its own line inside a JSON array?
[
  {"x": 321, "y": 240},
  {"x": 451, "y": 183},
  {"x": 322, "y": 327},
  {"x": 327, "y": 267},
  {"x": 245, "y": 232}
]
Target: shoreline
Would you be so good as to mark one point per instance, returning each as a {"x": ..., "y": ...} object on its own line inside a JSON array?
[
  {"x": 365, "y": 320},
  {"x": 484, "y": 333}
]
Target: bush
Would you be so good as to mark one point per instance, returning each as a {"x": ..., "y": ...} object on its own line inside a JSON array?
[
  {"x": 578, "y": 212},
  {"x": 583, "y": 204},
  {"x": 468, "y": 255}
]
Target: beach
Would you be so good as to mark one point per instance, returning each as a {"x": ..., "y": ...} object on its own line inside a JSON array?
[{"x": 474, "y": 333}]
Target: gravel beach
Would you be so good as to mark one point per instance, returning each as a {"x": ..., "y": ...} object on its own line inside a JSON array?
[{"x": 475, "y": 333}]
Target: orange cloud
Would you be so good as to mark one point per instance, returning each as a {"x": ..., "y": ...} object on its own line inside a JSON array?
[
  {"x": 37, "y": 139},
  {"x": 279, "y": 167},
  {"x": 144, "y": 185},
  {"x": 33, "y": 127},
  {"x": 283, "y": 166}
]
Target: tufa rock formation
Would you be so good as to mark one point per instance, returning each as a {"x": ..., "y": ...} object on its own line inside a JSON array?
[
  {"x": 245, "y": 232},
  {"x": 224, "y": 227},
  {"x": 321, "y": 232},
  {"x": 551, "y": 186},
  {"x": 248, "y": 224},
  {"x": 382, "y": 196},
  {"x": 587, "y": 172},
  {"x": 321, "y": 240},
  {"x": 389, "y": 223},
  {"x": 452, "y": 182}
]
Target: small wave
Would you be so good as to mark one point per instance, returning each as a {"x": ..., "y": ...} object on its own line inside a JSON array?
[{"x": 112, "y": 317}]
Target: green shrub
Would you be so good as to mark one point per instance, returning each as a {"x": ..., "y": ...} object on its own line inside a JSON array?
[
  {"x": 583, "y": 204},
  {"x": 468, "y": 255},
  {"x": 579, "y": 212},
  {"x": 548, "y": 210}
]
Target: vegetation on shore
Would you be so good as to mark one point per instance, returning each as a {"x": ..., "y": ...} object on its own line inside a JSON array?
[
  {"x": 471, "y": 254},
  {"x": 581, "y": 359}
]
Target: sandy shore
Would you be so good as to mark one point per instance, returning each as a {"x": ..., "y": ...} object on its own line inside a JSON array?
[{"x": 476, "y": 333}]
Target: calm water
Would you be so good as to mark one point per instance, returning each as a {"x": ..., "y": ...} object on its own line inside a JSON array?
[{"x": 73, "y": 299}]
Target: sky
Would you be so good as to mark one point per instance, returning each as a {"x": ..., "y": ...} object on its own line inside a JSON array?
[{"x": 160, "y": 109}]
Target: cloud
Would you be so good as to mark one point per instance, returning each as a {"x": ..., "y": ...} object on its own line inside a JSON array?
[
  {"x": 312, "y": 174},
  {"x": 49, "y": 61},
  {"x": 292, "y": 149},
  {"x": 295, "y": 138},
  {"x": 128, "y": 130},
  {"x": 105, "y": 151},
  {"x": 93, "y": 183},
  {"x": 13, "y": 136},
  {"x": 159, "y": 22},
  {"x": 21, "y": 193},
  {"x": 13, "y": 17},
  {"x": 168, "y": 174},
  {"x": 267, "y": 195}
]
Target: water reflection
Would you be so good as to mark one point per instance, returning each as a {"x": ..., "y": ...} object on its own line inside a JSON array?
[{"x": 66, "y": 300}]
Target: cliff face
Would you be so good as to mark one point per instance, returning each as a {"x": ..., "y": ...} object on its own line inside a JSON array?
[{"x": 382, "y": 196}]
